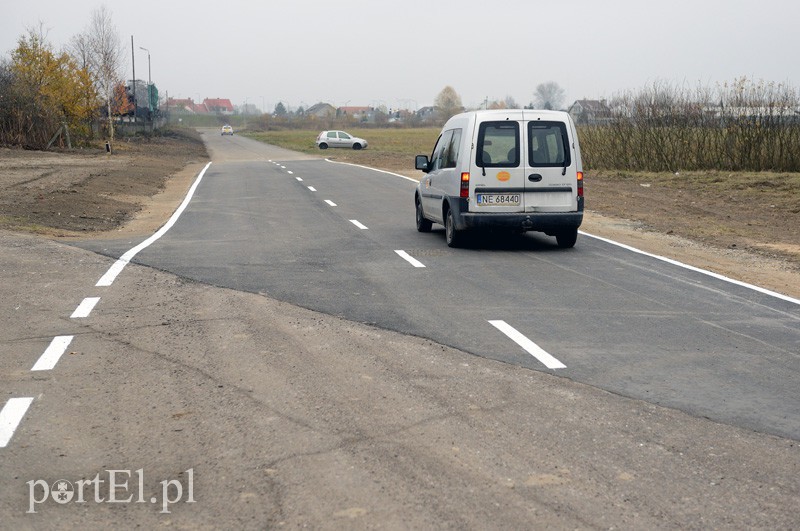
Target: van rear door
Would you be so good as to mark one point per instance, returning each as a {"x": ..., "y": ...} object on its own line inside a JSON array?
[
  {"x": 497, "y": 173},
  {"x": 550, "y": 167}
]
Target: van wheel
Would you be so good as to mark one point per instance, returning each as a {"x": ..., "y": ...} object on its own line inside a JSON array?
[
  {"x": 423, "y": 224},
  {"x": 452, "y": 236},
  {"x": 356, "y": 146},
  {"x": 567, "y": 238},
  {"x": 323, "y": 146}
]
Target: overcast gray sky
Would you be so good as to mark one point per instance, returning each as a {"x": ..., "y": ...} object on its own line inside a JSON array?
[{"x": 402, "y": 53}]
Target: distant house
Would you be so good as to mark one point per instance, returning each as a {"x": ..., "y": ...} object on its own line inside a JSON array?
[
  {"x": 218, "y": 106},
  {"x": 179, "y": 104},
  {"x": 590, "y": 112},
  {"x": 321, "y": 110},
  {"x": 400, "y": 116},
  {"x": 186, "y": 106},
  {"x": 362, "y": 114}
]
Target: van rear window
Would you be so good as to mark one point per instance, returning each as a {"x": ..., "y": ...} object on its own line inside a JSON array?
[
  {"x": 498, "y": 145},
  {"x": 548, "y": 144}
]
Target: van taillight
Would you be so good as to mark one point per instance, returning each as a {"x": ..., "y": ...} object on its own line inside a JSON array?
[
  {"x": 465, "y": 184},
  {"x": 580, "y": 184}
]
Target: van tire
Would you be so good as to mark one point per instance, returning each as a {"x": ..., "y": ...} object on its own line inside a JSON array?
[
  {"x": 566, "y": 238},
  {"x": 323, "y": 146},
  {"x": 423, "y": 224},
  {"x": 452, "y": 236}
]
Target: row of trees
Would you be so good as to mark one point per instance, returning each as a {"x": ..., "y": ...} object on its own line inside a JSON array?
[
  {"x": 42, "y": 89},
  {"x": 741, "y": 126}
]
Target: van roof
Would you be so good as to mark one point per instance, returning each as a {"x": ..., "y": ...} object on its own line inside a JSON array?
[
  {"x": 491, "y": 112},
  {"x": 484, "y": 114}
]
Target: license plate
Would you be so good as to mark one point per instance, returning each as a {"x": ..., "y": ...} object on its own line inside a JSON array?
[{"x": 498, "y": 199}]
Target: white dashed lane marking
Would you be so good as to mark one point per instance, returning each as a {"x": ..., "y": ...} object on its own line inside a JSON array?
[
  {"x": 10, "y": 417},
  {"x": 529, "y": 346},
  {"x": 53, "y": 353},
  {"x": 85, "y": 307},
  {"x": 410, "y": 259},
  {"x": 331, "y": 203},
  {"x": 358, "y": 224}
]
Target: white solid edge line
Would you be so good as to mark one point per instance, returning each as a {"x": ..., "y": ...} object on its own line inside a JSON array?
[
  {"x": 410, "y": 259},
  {"x": 358, "y": 224},
  {"x": 697, "y": 269},
  {"x": 529, "y": 346},
  {"x": 10, "y": 417},
  {"x": 53, "y": 353},
  {"x": 108, "y": 278},
  {"x": 331, "y": 203},
  {"x": 373, "y": 169},
  {"x": 85, "y": 307}
]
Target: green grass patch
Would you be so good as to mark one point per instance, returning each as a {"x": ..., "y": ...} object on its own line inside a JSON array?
[{"x": 389, "y": 149}]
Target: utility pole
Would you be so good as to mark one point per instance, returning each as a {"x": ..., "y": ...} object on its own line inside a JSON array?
[{"x": 133, "y": 63}]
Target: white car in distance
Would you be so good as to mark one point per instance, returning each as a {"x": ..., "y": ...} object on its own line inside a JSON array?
[{"x": 339, "y": 139}]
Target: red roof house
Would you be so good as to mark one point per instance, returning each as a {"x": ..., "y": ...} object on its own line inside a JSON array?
[{"x": 218, "y": 105}]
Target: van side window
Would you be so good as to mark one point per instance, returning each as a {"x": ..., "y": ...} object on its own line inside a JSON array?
[
  {"x": 548, "y": 144},
  {"x": 498, "y": 145},
  {"x": 441, "y": 150},
  {"x": 451, "y": 152}
]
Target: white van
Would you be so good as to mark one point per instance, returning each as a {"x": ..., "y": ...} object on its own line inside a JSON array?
[{"x": 508, "y": 169}]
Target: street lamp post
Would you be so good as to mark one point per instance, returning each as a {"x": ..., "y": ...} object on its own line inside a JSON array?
[{"x": 149, "y": 82}]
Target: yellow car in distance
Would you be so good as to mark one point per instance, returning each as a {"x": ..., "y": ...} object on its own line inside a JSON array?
[{"x": 227, "y": 130}]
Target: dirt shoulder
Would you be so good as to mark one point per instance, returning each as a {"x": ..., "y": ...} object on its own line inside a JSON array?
[
  {"x": 741, "y": 226},
  {"x": 85, "y": 192}
]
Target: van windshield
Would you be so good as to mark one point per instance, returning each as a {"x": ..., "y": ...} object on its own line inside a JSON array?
[
  {"x": 548, "y": 145},
  {"x": 498, "y": 145}
]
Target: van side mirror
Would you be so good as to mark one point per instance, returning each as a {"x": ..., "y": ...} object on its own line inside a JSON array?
[{"x": 421, "y": 163}]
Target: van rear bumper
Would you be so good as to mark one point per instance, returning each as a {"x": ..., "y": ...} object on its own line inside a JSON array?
[{"x": 548, "y": 222}]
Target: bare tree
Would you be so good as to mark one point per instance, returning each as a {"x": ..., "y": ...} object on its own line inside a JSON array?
[
  {"x": 506, "y": 103},
  {"x": 448, "y": 103},
  {"x": 510, "y": 103},
  {"x": 79, "y": 48},
  {"x": 548, "y": 95},
  {"x": 105, "y": 57}
]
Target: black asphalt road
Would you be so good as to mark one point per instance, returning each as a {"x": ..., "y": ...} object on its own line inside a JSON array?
[{"x": 618, "y": 320}]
